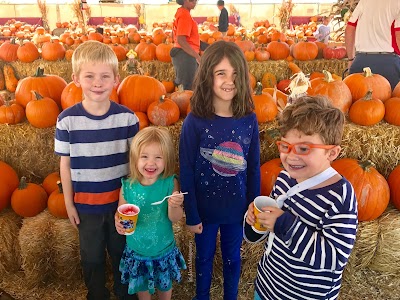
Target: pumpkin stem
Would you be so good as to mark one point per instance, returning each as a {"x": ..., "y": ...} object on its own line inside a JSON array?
[
  {"x": 328, "y": 76},
  {"x": 180, "y": 88},
  {"x": 22, "y": 183},
  {"x": 39, "y": 72},
  {"x": 37, "y": 95},
  {"x": 60, "y": 189},
  {"x": 367, "y": 72},
  {"x": 258, "y": 90},
  {"x": 366, "y": 165},
  {"x": 368, "y": 95},
  {"x": 162, "y": 98}
]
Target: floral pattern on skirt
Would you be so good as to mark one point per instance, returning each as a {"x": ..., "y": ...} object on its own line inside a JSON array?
[{"x": 143, "y": 273}]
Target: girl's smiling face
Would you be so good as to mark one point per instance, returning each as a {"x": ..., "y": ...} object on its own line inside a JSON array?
[
  {"x": 150, "y": 163},
  {"x": 302, "y": 167},
  {"x": 224, "y": 82}
]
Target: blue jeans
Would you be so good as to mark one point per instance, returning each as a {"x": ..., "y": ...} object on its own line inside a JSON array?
[
  {"x": 96, "y": 234},
  {"x": 231, "y": 241}
]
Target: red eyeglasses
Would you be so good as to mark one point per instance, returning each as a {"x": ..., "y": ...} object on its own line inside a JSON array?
[{"x": 300, "y": 148}]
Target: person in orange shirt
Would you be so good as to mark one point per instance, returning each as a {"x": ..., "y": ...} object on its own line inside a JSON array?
[{"x": 185, "y": 53}]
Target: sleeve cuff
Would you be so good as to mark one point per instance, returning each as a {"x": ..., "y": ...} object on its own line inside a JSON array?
[{"x": 284, "y": 223}]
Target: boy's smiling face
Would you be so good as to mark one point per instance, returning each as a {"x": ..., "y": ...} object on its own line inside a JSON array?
[
  {"x": 302, "y": 167},
  {"x": 97, "y": 81}
]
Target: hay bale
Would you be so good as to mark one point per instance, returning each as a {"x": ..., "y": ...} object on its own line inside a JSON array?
[
  {"x": 36, "y": 243},
  {"x": 365, "y": 246},
  {"x": 66, "y": 264},
  {"x": 387, "y": 255},
  {"x": 336, "y": 66},
  {"x": 10, "y": 256}
]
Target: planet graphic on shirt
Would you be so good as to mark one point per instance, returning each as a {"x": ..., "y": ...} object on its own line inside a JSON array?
[{"x": 227, "y": 159}]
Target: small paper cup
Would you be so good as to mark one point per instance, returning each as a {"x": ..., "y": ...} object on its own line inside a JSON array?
[
  {"x": 128, "y": 215},
  {"x": 258, "y": 203}
]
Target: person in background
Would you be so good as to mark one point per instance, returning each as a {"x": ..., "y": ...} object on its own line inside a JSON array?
[
  {"x": 219, "y": 155},
  {"x": 323, "y": 31},
  {"x": 93, "y": 137},
  {"x": 151, "y": 259},
  {"x": 185, "y": 53},
  {"x": 312, "y": 231},
  {"x": 223, "y": 20},
  {"x": 372, "y": 35}
]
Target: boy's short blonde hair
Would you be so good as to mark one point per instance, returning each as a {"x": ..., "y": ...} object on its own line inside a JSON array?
[
  {"x": 313, "y": 115},
  {"x": 145, "y": 137},
  {"x": 94, "y": 52}
]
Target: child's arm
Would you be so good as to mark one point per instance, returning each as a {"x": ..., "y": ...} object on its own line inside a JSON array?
[
  {"x": 118, "y": 226},
  {"x": 175, "y": 210},
  {"x": 248, "y": 233},
  {"x": 65, "y": 174},
  {"x": 253, "y": 165}
]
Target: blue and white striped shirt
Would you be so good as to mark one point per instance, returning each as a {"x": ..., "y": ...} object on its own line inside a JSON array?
[
  {"x": 98, "y": 147},
  {"x": 313, "y": 241}
]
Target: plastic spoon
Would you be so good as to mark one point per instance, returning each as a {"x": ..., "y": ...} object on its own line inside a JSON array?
[{"x": 166, "y": 197}]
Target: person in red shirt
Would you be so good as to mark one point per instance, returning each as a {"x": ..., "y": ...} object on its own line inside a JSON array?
[{"x": 185, "y": 53}]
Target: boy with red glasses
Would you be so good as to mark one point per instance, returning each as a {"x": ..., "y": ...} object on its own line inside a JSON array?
[{"x": 311, "y": 232}]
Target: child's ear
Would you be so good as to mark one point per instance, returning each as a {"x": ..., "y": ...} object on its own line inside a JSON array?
[
  {"x": 334, "y": 153},
  {"x": 116, "y": 80},
  {"x": 76, "y": 80}
]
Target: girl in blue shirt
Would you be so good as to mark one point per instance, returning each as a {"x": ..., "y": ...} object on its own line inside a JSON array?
[
  {"x": 151, "y": 259},
  {"x": 219, "y": 155}
]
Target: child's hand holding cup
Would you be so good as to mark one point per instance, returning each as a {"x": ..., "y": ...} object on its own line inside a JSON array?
[
  {"x": 258, "y": 203},
  {"x": 128, "y": 215}
]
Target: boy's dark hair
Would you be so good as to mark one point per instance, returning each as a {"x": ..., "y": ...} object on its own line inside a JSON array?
[
  {"x": 313, "y": 115},
  {"x": 180, "y": 2},
  {"x": 201, "y": 102},
  {"x": 221, "y": 3}
]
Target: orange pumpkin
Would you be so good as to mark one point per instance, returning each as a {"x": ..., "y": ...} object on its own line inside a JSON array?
[
  {"x": 164, "y": 112},
  {"x": 396, "y": 91},
  {"x": 11, "y": 113},
  {"x": 392, "y": 107},
  {"x": 394, "y": 184},
  {"x": 265, "y": 107},
  {"x": 143, "y": 119},
  {"x": 162, "y": 52},
  {"x": 138, "y": 91},
  {"x": 169, "y": 86},
  {"x": 269, "y": 171},
  {"x": 278, "y": 50},
  {"x": 56, "y": 203},
  {"x": 336, "y": 91},
  {"x": 182, "y": 98},
  {"x": 305, "y": 51},
  {"x": 29, "y": 199},
  {"x": 367, "y": 110},
  {"x": 50, "y": 182},
  {"x": 268, "y": 80},
  {"x": 279, "y": 97},
  {"x": 360, "y": 83},
  {"x": 28, "y": 52},
  {"x": 50, "y": 86},
  {"x": 8, "y": 183},
  {"x": 8, "y": 51},
  {"x": 42, "y": 112},
  {"x": 52, "y": 51},
  {"x": 371, "y": 189}
]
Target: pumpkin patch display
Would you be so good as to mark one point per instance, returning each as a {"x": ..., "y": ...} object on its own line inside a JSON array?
[
  {"x": 56, "y": 203},
  {"x": 29, "y": 199},
  {"x": 164, "y": 112},
  {"x": 371, "y": 188}
]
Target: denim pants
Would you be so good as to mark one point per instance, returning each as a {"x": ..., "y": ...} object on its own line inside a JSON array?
[
  {"x": 231, "y": 241},
  {"x": 97, "y": 234}
]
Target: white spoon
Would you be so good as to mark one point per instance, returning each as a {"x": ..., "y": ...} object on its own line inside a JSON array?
[{"x": 166, "y": 197}]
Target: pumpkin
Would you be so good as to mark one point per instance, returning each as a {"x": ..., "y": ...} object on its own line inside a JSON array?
[
  {"x": 182, "y": 98},
  {"x": 169, "y": 86},
  {"x": 72, "y": 94},
  {"x": 42, "y": 112},
  {"x": 164, "y": 112},
  {"x": 294, "y": 67},
  {"x": 53, "y": 51},
  {"x": 269, "y": 171},
  {"x": 279, "y": 97},
  {"x": 367, "y": 110},
  {"x": 143, "y": 119},
  {"x": 50, "y": 86},
  {"x": 162, "y": 52},
  {"x": 305, "y": 51},
  {"x": 11, "y": 113},
  {"x": 360, "y": 83},
  {"x": 8, "y": 183},
  {"x": 268, "y": 80},
  {"x": 56, "y": 203},
  {"x": 50, "y": 182},
  {"x": 147, "y": 52},
  {"x": 396, "y": 91},
  {"x": 394, "y": 185},
  {"x": 28, "y": 52},
  {"x": 265, "y": 107},
  {"x": 252, "y": 81},
  {"x": 245, "y": 45},
  {"x": 334, "y": 52},
  {"x": 8, "y": 51},
  {"x": 392, "y": 107},
  {"x": 261, "y": 54},
  {"x": 2, "y": 80},
  {"x": 10, "y": 78},
  {"x": 283, "y": 85},
  {"x": 278, "y": 50},
  {"x": 371, "y": 188},
  {"x": 138, "y": 91},
  {"x": 29, "y": 199},
  {"x": 336, "y": 91}
]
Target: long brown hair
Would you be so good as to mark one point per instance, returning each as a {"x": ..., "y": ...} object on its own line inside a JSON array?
[{"x": 201, "y": 103}]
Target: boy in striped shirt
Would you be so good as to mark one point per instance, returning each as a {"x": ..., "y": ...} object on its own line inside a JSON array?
[
  {"x": 312, "y": 231},
  {"x": 93, "y": 137}
]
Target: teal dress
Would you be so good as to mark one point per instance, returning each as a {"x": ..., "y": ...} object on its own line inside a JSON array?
[{"x": 150, "y": 259}]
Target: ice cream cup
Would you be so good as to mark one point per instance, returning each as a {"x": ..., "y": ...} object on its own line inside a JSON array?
[
  {"x": 128, "y": 215},
  {"x": 258, "y": 203}
]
